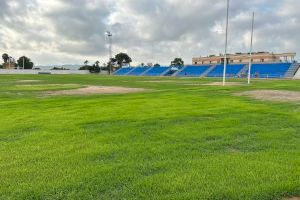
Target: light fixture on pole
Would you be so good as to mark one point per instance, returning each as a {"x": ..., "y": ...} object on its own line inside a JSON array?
[
  {"x": 226, "y": 43},
  {"x": 251, "y": 47},
  {"x": 109, "y": 35}
]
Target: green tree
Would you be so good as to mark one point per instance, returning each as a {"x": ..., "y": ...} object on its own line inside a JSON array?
[
  {"x": 122, "y": 58},
  {"x": 110, "y": 65},
  {"x": 86, "y": 62},
  {"x": 157, "y": 65},
  {"x": 27, "y": 62},
  {"x": 177, "y": 62},
  {"x": 5, "y": 57}
]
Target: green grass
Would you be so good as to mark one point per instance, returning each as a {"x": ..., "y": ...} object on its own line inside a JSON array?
[{"x": 176, "y": 141}]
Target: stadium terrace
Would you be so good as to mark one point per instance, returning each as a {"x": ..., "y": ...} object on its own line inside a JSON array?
[{"x": 265, "y": 65}]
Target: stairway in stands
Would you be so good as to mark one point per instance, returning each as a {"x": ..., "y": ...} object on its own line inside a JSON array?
[
  {"x": 292, "y": 71},
  {"x": 208, "y": 71},
  {"x": 244, "y": 71},
  {"x": 180, "y": 70}
]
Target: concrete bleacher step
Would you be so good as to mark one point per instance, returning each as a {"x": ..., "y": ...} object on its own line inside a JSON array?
[
  {"x": 165, "y": 72},
  {"x": 115, "y": 72},
  {"x": 204, "y": 74},
  {"x": 244, "y": 70},
  {"x": 145, "y": 72},
  {"x": 176, "y": 73},
  {"x": 291, "y": 72},
  {"x": 130, "y": 71}
]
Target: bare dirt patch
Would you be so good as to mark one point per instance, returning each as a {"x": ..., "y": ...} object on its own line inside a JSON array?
[
  {"x": 158, "y": 81},
  {"x": 221, "y": 84},
  {"x": 28, "y": 81},
  {"x": 292, "y": 198},
  {"x": 273, "y": 95},
  {"x": 96, "y": 90},
  {"x": 44, "y": 85}
]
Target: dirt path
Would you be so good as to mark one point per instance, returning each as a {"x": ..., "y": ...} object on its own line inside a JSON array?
[
  {"x": 273, "y": 95},
  {"x": 96, "y": 90}
]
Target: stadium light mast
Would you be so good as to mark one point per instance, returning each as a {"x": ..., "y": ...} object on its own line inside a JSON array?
[
  {"x": 109, "y": 35},
  {"x": 251, "y": 48},
  {"x": 226, "y": 43}
]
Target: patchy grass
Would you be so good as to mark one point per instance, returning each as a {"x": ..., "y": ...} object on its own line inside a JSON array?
[{"x": 177, "y": 141}]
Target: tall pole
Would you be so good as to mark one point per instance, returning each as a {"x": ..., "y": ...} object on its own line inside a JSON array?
[
  {"x": 109, "y": 35},
  {"x": 226, "y": 43},
  {"x": 251, "y": 47}
]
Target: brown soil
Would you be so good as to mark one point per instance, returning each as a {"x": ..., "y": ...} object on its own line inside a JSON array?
[
  {"x": 221, "y": 84},
  {"x": 28, "y": 81},
  {"x": 159, "y": 81},
  {"x": 44, "y": 85},
  {"x": 96, "y": 90},
  {"x": 273, "y": 95},
  {"x": 293, "y": 198}
]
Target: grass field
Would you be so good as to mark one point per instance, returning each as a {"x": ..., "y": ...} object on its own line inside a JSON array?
[{"x": 179, "y": 140}]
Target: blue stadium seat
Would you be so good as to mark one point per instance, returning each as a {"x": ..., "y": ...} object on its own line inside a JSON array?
[
  {"x": 231, "y": 70},
  {"x": 138, "y": 71},
  {"x": 156, "y": 71},
  {"x": 123, "y": 71},
  {"x": 193, "y": 70},
  {"x": 271, "y": 70}
]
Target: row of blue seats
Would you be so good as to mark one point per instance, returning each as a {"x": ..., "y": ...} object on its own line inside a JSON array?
[
  {"x": 146, "y": 71},
  {"x": 275, "y": 70}
]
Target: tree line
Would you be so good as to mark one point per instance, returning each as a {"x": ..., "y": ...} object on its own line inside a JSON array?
[
  {"x": 116, "y": 62},
  {"x": 9, "y": 62}
]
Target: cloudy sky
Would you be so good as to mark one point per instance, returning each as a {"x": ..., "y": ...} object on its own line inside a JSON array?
[{"x": 71, "y": 31}]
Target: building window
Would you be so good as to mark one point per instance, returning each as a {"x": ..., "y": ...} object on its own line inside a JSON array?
[
  {"x": 240, "y": 61},
  {"x": 196, "y": 63},
  {"x": 262, "y": 60}
]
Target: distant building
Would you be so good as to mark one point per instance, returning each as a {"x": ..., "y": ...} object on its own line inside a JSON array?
[{"x": 258, "y": 57}]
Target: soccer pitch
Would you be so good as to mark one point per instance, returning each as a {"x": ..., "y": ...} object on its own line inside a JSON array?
[{"x": 178, "y": 138}]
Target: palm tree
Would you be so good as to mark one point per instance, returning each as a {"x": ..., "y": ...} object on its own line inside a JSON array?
[
  {"x": 97, "y": 63},
  {"x": 86, "y": 62}
]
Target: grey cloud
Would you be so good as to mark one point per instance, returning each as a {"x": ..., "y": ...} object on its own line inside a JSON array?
[{"x": 149, "y": 30}]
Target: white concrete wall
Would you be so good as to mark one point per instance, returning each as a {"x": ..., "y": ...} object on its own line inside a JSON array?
[
  {"x": 297, "y": 76},
  {"x": 29, "y": 71}
]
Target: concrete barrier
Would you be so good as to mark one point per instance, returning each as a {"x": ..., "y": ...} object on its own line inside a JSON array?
[
  {"x": 31, "y": 71},
  {"x": 297, "y": 75}
]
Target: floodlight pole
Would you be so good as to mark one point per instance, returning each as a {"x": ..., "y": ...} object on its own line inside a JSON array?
[
  {"x": 251, "y": 48},
  {"x": 109, "y": 35},
  {"x": 226, "y": 43}
]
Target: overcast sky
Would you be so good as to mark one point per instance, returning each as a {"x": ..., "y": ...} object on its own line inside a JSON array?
[{"x": 71, "y": 31}]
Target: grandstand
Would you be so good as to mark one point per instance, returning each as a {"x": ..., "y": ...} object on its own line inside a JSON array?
[
  {"x": 231, "y": 71},
  {"x": 137, "y": 71},
  {"x": 258, "y": 70},
  {"x": 193, "y": 71},
  {"x": 157, "y": 71},
  {"x": 272, "y": 70},
  {"x": 123, "y": 71}
]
